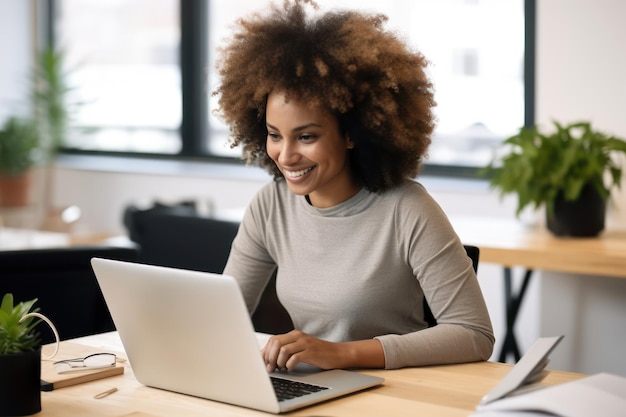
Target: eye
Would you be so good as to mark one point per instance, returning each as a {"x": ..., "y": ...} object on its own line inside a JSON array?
[
  {"x": 307, "y": 138},
  {"x": 274, "y": 137}
]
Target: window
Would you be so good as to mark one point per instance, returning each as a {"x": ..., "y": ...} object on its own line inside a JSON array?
[
  {"x": 122, "y": 57},
  {"x": 125, "y": 60}
]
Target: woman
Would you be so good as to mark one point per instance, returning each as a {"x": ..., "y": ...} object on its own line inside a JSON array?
[{"x": 340, "y": 112}]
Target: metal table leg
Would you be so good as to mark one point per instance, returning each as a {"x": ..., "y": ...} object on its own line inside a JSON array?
[{"x": 512, "y": 304}]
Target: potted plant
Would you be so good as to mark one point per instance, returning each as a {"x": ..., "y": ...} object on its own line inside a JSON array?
[
  {"x": 23, "y": 138},
  {"x": 39, "y": 136},
  {"x": 20, "y": 357},
  {"x": 570, "y": 171},
  {"x": 19, "y": 140}
]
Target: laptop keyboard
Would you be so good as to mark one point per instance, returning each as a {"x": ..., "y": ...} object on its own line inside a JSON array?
[{"x": 287, "y": 389}]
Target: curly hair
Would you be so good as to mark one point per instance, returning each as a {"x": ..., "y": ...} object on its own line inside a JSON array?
[{"x": 344, "y": 61}]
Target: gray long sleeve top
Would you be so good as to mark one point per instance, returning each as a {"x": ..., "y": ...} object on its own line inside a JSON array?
[{"x": 361, "y": 269}]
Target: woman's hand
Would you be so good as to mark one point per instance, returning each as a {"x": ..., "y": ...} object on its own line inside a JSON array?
[{"x": 285, "y": 351}]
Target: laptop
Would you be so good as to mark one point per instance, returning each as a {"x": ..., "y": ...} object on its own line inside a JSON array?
[{"x": 190, "y": 332}]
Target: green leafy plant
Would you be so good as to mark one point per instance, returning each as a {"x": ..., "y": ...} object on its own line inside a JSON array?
[
  {"x": 50, "y": 90},
  {"x": 19, "y": 139},
  {"x": 17, "y": 335},
  {"x": 538, "y": 167}
]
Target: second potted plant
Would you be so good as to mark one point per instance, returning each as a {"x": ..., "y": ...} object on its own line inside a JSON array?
[
  {"x": 19, "y": 140},
  {"x": 571, "y": 171}
]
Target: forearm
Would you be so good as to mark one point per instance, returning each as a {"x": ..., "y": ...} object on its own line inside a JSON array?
[
  {"x": 442, "y": 344},
  {"x": 362, "y": 354}
]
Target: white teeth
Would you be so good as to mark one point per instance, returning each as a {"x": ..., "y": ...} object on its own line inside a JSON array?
[{"x": 295, "y": 174}]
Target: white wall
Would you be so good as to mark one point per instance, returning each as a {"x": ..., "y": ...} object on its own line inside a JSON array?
[{"x": 579, "y": 75}]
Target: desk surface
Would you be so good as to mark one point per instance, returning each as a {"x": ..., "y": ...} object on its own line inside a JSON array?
[
  {"x": 15, "y": 239},
  {"x": 452, "y": 390},
  {"x": 511, "y": 243}
]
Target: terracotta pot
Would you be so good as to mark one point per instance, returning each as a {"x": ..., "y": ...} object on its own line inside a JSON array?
[
  {"x": 20, "y": 383},
  {"x": 15, "y": 189}
]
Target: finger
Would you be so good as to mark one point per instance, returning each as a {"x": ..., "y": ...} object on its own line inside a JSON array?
[
  {"x": 284, "y": 354},
  {"x": 273, "y": 350},
  {"x": 293, "y": 361},
  {"x": 290, "y": 354},
  {"x": 270, "y": 353},
  {"x": 280, "y": 348}
]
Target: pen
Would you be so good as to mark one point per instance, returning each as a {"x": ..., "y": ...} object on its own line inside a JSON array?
[{"x": 105, "y": 393}]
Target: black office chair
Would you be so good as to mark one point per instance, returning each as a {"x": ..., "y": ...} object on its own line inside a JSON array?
[
  {"x": 64, "y": 284},
  {"x": 474, "y": 253},
  {"x": 183, "y": 241},
  {"x": 189, "y": 241}
]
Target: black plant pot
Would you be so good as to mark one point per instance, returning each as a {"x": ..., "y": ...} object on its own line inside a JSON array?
[
  {"x": 580, "y": 218},
  {"x": 20, "y": 383}
]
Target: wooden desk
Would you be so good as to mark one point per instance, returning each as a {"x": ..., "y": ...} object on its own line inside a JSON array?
[
  {"x": 511, "y": 243},
  {"x": 19, "y": 239},
  {"x": 452, "y": 390},
  {"x": 15, "y": 239}
]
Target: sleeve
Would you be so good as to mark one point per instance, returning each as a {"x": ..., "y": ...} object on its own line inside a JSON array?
[
  {"x": 440, "y": 263},
  {"x": 249, "y": 261}
]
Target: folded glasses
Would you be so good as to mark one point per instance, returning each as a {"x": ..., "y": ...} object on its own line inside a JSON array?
[{"x": 94, "y": 361}]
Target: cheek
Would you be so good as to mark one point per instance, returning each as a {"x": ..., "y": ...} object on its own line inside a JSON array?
[
  {"x": 337, "y": 155},
  {"x": 272, "y": 150}
]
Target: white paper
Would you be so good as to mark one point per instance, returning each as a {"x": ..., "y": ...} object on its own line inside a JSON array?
[{"x": 597, "y": 395}]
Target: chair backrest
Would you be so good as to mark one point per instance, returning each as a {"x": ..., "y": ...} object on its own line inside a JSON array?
[
  {"x": 199, "y": 243},
  {"x": 474, "y": 254},
  {"x": 183, "y": 241},
  {"x": 64, "y": 284},
  {"x": 133, "y": 215}
]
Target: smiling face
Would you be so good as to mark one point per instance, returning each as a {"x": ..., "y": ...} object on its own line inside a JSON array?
[{"x": 309, "y": 149}]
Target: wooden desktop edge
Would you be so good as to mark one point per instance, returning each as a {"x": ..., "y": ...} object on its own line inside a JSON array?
[{"x": 446, "y": 390}]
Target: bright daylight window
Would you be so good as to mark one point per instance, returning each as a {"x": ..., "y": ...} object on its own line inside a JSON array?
[
  {"x": 122, "y": 58},
  {"x": 125, "y": 60}
]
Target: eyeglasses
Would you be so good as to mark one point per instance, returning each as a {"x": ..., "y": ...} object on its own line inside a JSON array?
[{"x": 95, "y": 361}]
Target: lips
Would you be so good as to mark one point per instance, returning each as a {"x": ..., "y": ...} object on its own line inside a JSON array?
[{"x": 299, "y": 173}]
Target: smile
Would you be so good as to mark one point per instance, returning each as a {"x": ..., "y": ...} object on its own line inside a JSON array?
[{"x": 296, "y": 174}]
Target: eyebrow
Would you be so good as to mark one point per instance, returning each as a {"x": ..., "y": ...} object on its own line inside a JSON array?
[{"x": 296, "y": 129}]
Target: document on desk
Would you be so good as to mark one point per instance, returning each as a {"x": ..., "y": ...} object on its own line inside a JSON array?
[{"x": 601, "y": 394}]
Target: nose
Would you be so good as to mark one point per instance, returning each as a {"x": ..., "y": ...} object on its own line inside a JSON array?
[{"x": 288, "y": 153}]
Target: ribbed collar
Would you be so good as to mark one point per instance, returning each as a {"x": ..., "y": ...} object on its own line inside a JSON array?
[{"x": 352, "y": 206}]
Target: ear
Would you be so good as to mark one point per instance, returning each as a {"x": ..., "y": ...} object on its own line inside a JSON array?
[{"x": 349, "y": 142}]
